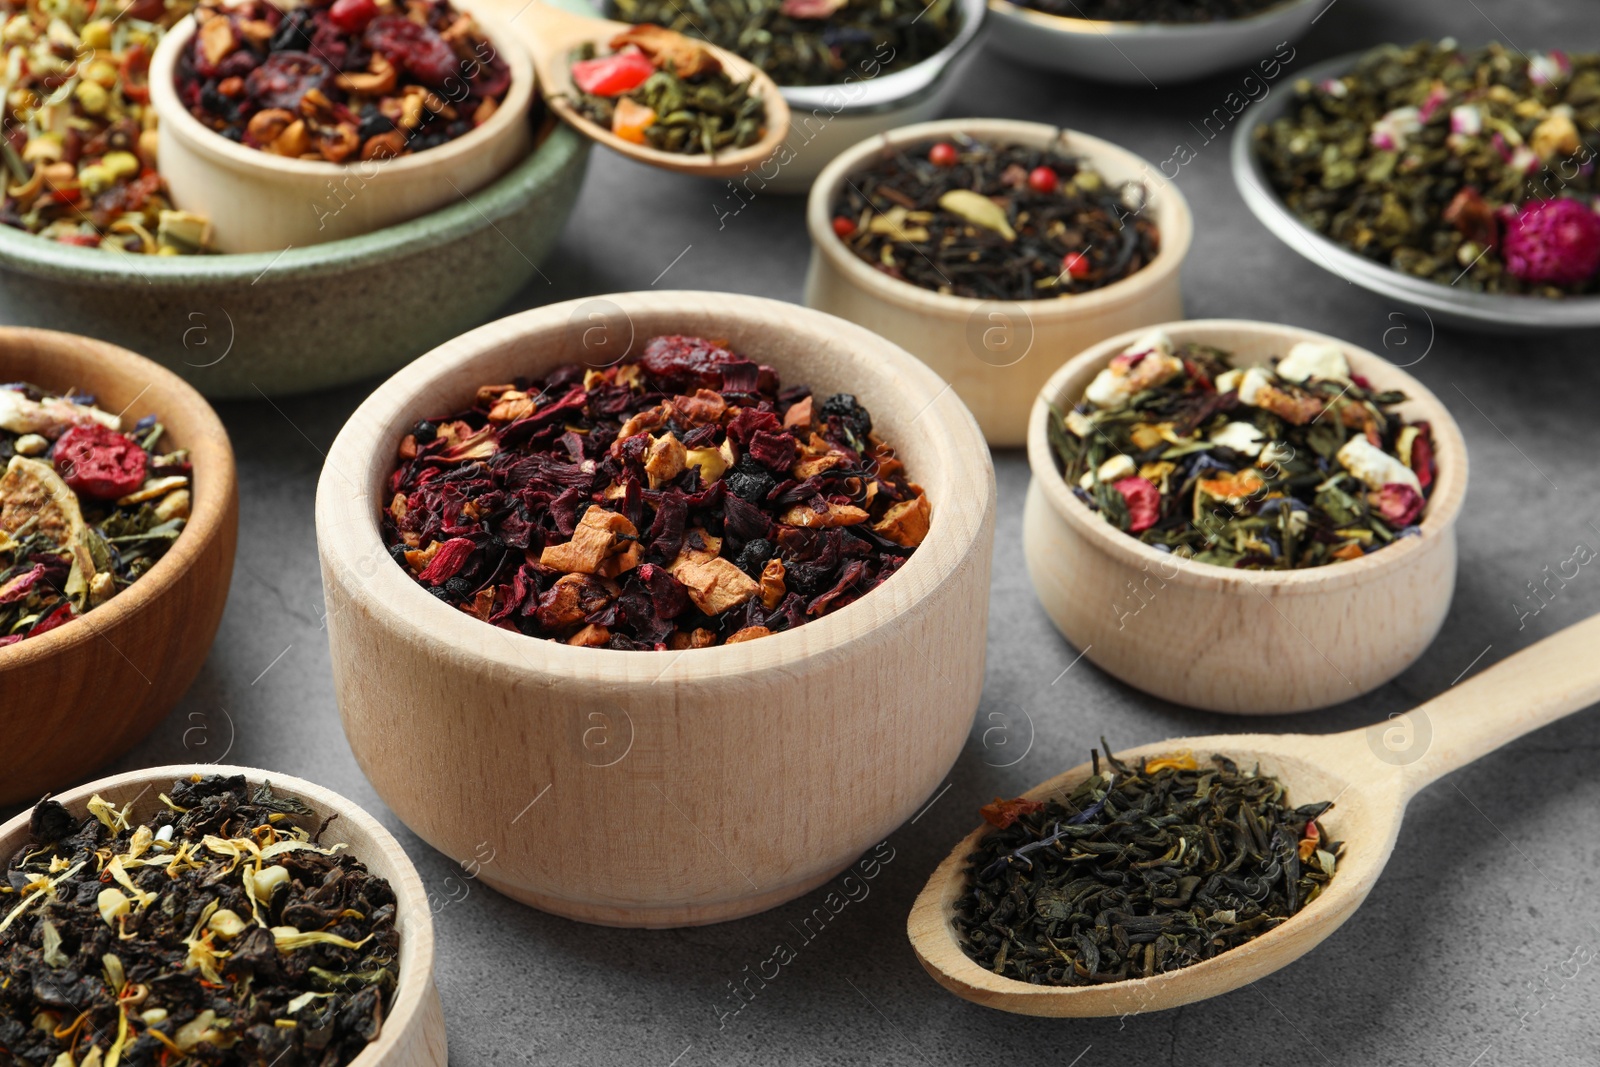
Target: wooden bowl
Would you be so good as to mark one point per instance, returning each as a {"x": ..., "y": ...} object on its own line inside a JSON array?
[
  {"x": 413, "y": 1031},
  {"x": 995, "y": 353},
  {"x": 260, "y": 202},
  {"x": 84, "y": 693},
  {"x": 662, "y": 788},
  {"x": 1245, "y": 641}
]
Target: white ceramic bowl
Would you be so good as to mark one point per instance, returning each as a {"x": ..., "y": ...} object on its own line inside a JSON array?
[
  {"x": 1151, "y": 54},
  {"x": 261, "y": 202},
  {"x": 662, "y": 788},
  {"x": 995, "y": 353},
  {"x": 1246, "y": 641}
]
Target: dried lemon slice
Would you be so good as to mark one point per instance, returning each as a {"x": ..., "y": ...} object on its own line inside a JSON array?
[{"x": 32, "y": 490}]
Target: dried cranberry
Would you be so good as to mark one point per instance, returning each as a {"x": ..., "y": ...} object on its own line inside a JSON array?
[
  {"x": 97, "y": 461},
  {"x": 416, "y": 49},
  {"x": 352, "y": 16},
  {"x": 285, "y": 78}
]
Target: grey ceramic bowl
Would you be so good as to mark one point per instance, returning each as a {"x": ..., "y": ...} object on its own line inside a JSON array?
[
  {"x": 306, "y": 318},
  {"x": 1443, "y": 303},
  {"x": 1155, "y": 54}
]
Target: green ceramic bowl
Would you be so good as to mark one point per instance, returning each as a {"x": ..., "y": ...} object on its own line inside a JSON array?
[{"x": 306, "y": 318}]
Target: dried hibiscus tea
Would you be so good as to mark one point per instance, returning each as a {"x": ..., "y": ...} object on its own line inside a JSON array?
[
  {"x": 995, "y": 221},
  {"x": 1296, "y": 464},
  {"x": 667, "y": 91},
  {"x": 220, "y": 932},
  {"x": 679, "y": 500},
  {"x": 85, "y": 508},
  {"x": 340, "y": 80}
]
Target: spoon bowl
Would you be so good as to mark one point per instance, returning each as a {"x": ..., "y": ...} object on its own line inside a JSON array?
[
  {"x": 552, "y": 35},
  {"x": 1370, "y": 774}
]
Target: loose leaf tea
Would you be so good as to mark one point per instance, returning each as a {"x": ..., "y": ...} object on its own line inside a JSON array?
[
  {"x": 664, "y": 90},
  {"x": 810, "y": 42},
  {"x": 85, "y": 509},
  {"x": 1294, "y": 465},
  {"x": 1469, "y": 168},
  {"x": 680, "y": 500},
  {"x": 995, "y": 222},
  {"x": 80, "y": 144},
  {"x": 1177, "y": 11},
  {"x": 1145, "y": 868},
  {"x": 221, "y": 932},
  {"x": 341, "y": 80}
]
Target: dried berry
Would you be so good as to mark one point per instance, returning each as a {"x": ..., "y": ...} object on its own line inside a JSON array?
[
  {"x": 843, "y": 406},
  {"x": 284, "y": 79}
]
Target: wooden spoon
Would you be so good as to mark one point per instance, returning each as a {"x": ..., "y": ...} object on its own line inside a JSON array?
[
  {"x": 1370, "y": 774},
  {"x": 552, "y": 35}
]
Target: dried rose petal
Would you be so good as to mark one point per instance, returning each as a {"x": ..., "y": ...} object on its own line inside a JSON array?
[{"x": 1002, "y": 813}]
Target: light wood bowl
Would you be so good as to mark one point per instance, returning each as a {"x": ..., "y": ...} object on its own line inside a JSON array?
[
  {"x": 260, "y": 202},
  {"x": 413, "y": 1031},
  {"x": 995, "y": 353},
  {"x": 83, "y": 694},
  {"x": 1251, "y": 642},
  {"x": 662, "y": 788}
]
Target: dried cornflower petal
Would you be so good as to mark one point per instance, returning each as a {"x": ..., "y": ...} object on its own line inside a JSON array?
[{"x": 680, "y": 500}]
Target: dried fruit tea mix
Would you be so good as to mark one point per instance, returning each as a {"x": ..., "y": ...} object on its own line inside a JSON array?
[
  {"x": 1469, "y": 167},
  {"x": 1144, "y": 868},
  {"x": 1293, "y": 465},
  {"x": 221, "y": 933},
  {"x": 995, "y": 222},
  {"x": 80, "y": 134},
  {"x": 662, "y": 89},
  {"x": 341, "y": 80},
  {"x": 680, "y": 500},
  {"x": 85, "y": 509}
]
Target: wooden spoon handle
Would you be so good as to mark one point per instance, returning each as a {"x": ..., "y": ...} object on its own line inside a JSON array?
[{"x": 1545, "y": 682}]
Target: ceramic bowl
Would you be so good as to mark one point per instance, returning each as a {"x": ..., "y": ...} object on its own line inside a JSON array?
[
  {"x": 995, "y": 354},
  {"x": 1245, "y": 641},
  {"x": 413, "y": 1031},
  {"x": 307, "y": 318},
  {"x": 81, "y": 695},
  {"x": 261, "y": 202},
  {"x": 662, "y": 788},
  {"x": 1497, "y": 313},
  {"x": 1151, "y": 54}
]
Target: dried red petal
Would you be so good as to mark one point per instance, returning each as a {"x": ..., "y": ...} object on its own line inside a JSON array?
[
  {"x": 1422, "y": 461},
  {"x": 449, "y": 559},
  {"x": 59, "y": 617},
  {"x": 1002, "y": 813},
  {"x": 1399, "y": 504}
]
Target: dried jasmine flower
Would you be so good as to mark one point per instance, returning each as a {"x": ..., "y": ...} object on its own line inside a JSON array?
[
  {"x": 1472, "y": 168},
  {"x": 1145, "y": 868},
  {"x": 995, "y": 222},
  {"x": 85, "y": 509},
  {"x": 1296, "y": 465},
  {"x": 340, "y": 80},
  {"x": 662, "y": 89},
  {"x": 680, "y": 500},
  {"x": 221, "y": 932}
]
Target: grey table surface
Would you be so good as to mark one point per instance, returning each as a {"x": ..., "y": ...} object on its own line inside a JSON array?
[{"x": 1479, "y": 946}]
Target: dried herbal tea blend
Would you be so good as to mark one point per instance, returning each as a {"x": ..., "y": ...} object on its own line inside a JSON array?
[
  {"x": 1296, "y": 465},
  {"x": 80, "y": 137},
  {"x": 995, "y": 222},
  {"x": 810, "y": 42},
  {"x": 1469, "y": 168},
  {"x": 681, "y": 500},
  {"x": 85, "y": 509},
  {"x": 662, "y": 89},
  {"x": 1145, "y": 868},
  {"x": 222, "y": 932},
  {"x": 341, "y": 80},
  {"x": 1154, "y": 10}
]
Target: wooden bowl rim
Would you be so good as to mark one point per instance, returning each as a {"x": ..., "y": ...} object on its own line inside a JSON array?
[
  {"x": 1173, "y": 219},
  {"x": 1198, "y": 33},
  {"x": 945, "y": 960},
  {"x": 416, "y": 940},
  {"x": 197, "y": 428},
  {"x": 252, "y": 161},
  {"x": 1444, "y": 506},
  {"x": 348, "y": 532}
]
